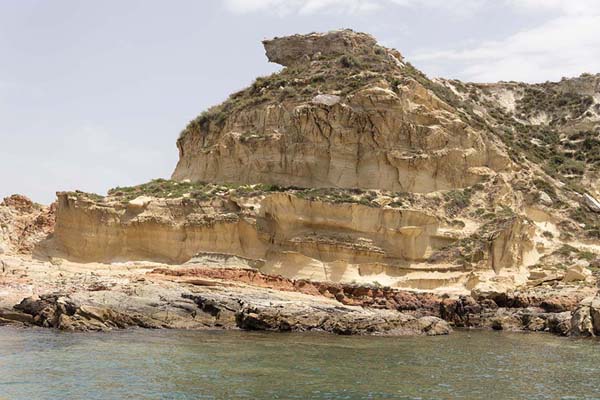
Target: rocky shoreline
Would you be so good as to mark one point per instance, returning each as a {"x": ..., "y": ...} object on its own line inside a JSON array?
[{"x": 102, "y": 297}]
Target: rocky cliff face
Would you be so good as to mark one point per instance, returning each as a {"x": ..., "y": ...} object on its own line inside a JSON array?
[{"x": 312, "y": 234}]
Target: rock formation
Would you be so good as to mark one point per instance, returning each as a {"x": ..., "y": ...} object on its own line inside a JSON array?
[
  {"x": 327, "y": 196},
  {"x": 381, "y": 128}
]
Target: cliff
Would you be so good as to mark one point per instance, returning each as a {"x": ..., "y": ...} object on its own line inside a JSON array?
[
  {"x": 352, "y": 182},
  {"x": 350, "y": 165},
  {"x": 345, "y": 113}
]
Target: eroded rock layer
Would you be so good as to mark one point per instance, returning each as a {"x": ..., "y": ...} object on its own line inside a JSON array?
[{"x": 285, "y": 234}]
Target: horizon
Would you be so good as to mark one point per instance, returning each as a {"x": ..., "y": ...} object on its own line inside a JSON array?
[{"x": 89, "y": 101}]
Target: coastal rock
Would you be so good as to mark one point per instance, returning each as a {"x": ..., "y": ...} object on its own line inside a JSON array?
[
  {"x": 281, "y": 233},
  {"x": 560, "y": 323},
  {"x": 586, "y": 318},
  {"x": 61, "y": 312},
  {"x": 340, "y": 321}
]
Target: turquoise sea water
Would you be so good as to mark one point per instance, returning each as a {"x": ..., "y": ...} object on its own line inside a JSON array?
[{"x": 144, "y": 364}]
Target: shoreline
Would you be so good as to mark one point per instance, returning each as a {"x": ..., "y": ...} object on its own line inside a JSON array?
[{"x": 101, "y": 297}]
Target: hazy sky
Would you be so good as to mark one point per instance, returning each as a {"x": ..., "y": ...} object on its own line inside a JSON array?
[{"x": 93, "y": 94}]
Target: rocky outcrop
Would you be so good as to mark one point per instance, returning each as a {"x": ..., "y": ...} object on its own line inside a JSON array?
[
  {"x": 586, "y": 318},
  {"x": 330, "y": 196},
  {"x": 23, "y": 223},
  {"x": 388, "y": 131},
  {"x": 296, "y": 49},
  {"x": 61, "y": 312}
]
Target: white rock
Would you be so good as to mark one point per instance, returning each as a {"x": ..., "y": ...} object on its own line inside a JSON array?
[
  {"x": 592, "y": 203},
  {"x": 140, "y": 202},
  {"x": 577, "y": 273},
  {"x": 327, "y": 99},
  {"x": 545, "y": 199},
  {"x": 186, "y": 181}
]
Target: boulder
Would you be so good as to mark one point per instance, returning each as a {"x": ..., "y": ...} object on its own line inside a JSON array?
[
  {"x": 139, "y": 202},
  {"x": 586, "y": 318},
  {"x": 581, "y": 322},
  {"x": 545, "y": 199},
  {"x": 560, "y": 323},
  {"x": 326, "y": 99},
  {"x": 577, "y": 273},
  {"x": 591, "y": 203}
]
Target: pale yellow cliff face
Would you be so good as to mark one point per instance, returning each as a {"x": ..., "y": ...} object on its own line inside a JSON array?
[{"x": 286, "y": 235}]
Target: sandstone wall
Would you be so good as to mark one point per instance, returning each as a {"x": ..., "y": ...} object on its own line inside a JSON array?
[{"x": 287, "y": 235}]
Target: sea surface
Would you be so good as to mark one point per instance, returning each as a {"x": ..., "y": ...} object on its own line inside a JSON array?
[{"x": 146, "y": 364}]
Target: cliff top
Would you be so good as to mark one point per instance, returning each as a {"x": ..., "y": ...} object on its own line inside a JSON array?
[{"x": 298, "y": 49}]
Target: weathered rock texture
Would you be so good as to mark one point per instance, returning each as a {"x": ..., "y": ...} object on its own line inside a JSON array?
[
  {"x": 23, "y": 223},
  {"x": 350, "y": 165}
]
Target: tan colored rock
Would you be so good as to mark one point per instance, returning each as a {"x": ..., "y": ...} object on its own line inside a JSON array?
[
  {"x": 23, "y": 224},
  {"x": 577, "y": 273},
  {"x": 591, "y": 203}
]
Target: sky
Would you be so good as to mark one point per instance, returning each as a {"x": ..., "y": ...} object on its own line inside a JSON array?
[{"x": 93, "y": 94}]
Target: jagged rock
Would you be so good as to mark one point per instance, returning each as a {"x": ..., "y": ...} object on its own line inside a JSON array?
[
  {"x": 336, "y": 320},
  {"x": 581, "y": 323},
  {"x": 586, "y": 318},
  {"x": 61, "y": 312},
  {"x": 23, "y": 224},
  {"x": 560, "y": 323}
]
